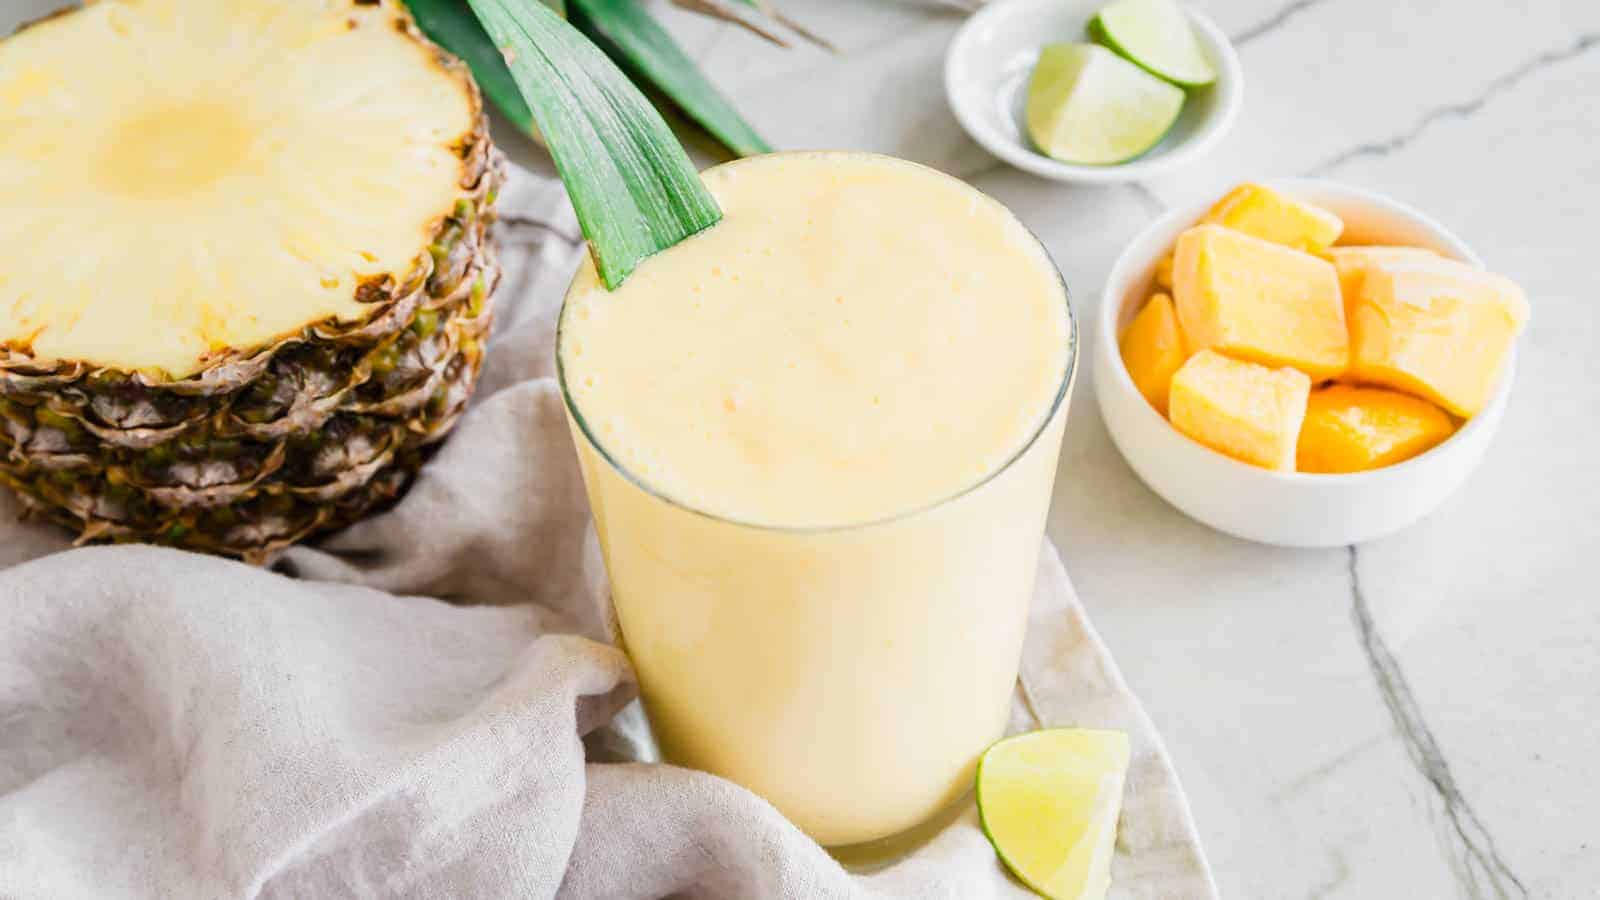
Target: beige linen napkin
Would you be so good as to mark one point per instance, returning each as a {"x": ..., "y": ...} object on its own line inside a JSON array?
[{"x": 173, "y": 725}]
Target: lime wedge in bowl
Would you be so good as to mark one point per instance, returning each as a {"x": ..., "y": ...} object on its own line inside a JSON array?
[
  {"x": 1049, "y": 802},
  {"x": 1090, "y": 106},
  {"x": 1157, "y": 35}
]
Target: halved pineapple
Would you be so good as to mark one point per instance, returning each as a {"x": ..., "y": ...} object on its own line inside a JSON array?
[{"x": 245, "y": 267}]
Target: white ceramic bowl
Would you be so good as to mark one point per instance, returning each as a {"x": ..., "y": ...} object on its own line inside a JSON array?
[
  {"x": 1285, "y": 508},
  {"x": 986, "y": 73}
]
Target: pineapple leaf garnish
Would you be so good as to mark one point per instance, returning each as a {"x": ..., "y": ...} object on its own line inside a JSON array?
[
  {"x": 643, "y": 48},
  {"x": 625, "y": 32},
  {"x": 632, "y": 185}
]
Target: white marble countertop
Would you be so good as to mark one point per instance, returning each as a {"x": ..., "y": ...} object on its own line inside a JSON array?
[
  {"x": 1418, "y": 716},
  {"x": 1415, "y": 717}
]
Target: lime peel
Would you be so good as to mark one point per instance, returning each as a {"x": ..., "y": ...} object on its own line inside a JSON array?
[
  {"x": 1049, "y": 802},
  {"x": 1089, "y": 106},
  {"x": 1156, "y": 35}
]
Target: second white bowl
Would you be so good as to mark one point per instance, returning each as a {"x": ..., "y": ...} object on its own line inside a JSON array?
[
  {"x": 986, "y": 72},
  {"x": 1286, "y": 508}
]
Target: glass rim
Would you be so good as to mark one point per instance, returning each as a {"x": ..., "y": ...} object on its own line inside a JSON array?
[{"x": 1068, "y": 372}]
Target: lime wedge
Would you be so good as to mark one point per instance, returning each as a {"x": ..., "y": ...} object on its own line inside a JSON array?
[
  {"x": 1157, "y": 35},
  {"x": 1049, "y": 802},
  {"x": 1088, "y": 105}
]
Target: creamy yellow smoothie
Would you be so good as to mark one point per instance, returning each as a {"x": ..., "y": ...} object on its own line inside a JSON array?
[{"x": 819, "y": 440}]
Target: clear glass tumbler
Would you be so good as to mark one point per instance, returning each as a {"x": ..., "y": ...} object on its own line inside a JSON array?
[{"x": 850, "y": 675}]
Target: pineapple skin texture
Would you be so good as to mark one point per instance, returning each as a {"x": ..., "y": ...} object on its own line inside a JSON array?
[{"x": 265, "y": 446}]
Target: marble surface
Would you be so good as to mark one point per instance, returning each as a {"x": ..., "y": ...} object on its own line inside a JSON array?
[{"x": 1414, "y": 717}]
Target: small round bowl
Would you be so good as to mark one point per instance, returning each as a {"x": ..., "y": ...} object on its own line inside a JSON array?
[
  {"x": 986, "y": 73},
  {"x": 1290, "y": 509}
]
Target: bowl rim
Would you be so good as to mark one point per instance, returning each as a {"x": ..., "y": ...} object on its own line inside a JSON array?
[
  {"x": 1127, "y": 267},
  {"x": 1229, "y": 88}
]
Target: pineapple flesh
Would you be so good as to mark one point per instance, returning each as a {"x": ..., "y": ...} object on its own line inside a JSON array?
[{"x": 246, "y": 266}]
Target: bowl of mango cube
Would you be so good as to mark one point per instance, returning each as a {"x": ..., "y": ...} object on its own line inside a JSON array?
[{"x": 1304, "y": 363}]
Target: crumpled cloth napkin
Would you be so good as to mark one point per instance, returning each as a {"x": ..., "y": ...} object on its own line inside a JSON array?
[{"x": 173, "y": 725}]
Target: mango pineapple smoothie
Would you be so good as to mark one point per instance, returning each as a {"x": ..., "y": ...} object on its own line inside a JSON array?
[{"x": 819, "y": 440}]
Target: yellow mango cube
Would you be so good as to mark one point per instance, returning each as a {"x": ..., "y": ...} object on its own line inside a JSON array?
[
  {"x": 1264, "y": 213},
  {"x": 1439, "y": 329},
  {"x": 1242, "y": 409},
  {"x": 1260, "y": 301},
  {"x": 1352, "y": 262},
  {"x": 1353, "y": 429},
  {"x": 1152, "y": 349}
]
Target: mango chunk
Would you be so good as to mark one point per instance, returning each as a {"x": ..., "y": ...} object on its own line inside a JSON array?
[
  {"x": 1244, "y": 410},
  {"x": 1164, "y": 272},
  {"x": 1264, "y": 213},
  {"x": 1352, "y": 262},
  {"x": 1260, "y": 301},
  {"x": 1353, "y": 429},
  {"x": 1152, "y": 349},
  {"x": 1436, "y": 328}
]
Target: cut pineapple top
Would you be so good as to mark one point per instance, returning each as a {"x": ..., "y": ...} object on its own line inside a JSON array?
[{"x": 186, "y": 178}]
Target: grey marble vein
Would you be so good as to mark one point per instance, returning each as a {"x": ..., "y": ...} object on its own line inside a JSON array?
[
  {"x": 1272, "y": 22},
  {"x": 1339, "y": 878},
  {"x": 1147, "y": 198},
  {"x": 1476, "y": 862},
  {"x": 1326, "y": 769},
  {"x": 1464, "y": 109}
]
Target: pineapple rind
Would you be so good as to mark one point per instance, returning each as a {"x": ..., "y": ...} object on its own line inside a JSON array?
[
  {"x": 219, "y": 483},
  {"x": 266, "y": 446}
]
